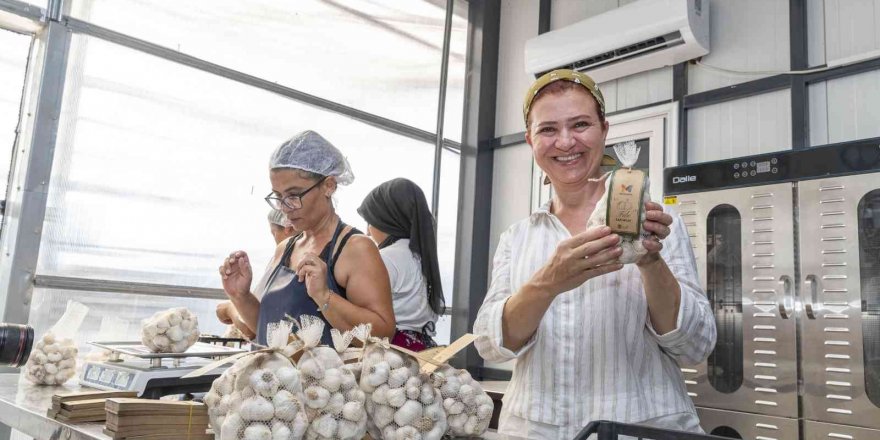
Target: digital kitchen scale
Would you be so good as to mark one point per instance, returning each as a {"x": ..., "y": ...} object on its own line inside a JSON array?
[{"x": 153, "y": 375}]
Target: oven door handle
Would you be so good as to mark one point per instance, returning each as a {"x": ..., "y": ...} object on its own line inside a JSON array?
[
  {"x": 785, "y": 299},
  {"x": 810, "y": 289}
]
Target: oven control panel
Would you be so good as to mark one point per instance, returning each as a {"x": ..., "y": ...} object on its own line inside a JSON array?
[{"x": 783, "y": 166}]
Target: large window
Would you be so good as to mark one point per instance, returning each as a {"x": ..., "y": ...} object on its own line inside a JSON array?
[
  {"x": 13, "y": 64},
  {"x": 381, "y": 57}
]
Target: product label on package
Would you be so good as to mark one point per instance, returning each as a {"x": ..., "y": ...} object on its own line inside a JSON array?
[{"x": 625, "y": 194}]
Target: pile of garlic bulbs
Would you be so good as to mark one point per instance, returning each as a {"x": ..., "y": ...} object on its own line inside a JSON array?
[
  {"x": 333, "y": 400},
  {"x": 170, "y": 331},
  {"x": 258, "y": 398},
  {"x": 468, "y": 407},
  {"x": 401, "y": 402},
  {"x": 52, "y": 361}
]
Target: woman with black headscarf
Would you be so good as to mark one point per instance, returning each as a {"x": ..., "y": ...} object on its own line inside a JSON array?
[{"x": 401, "y": 223}]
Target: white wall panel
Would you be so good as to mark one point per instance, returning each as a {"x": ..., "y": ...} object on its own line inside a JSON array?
[
  {"x": 817, "y": 95},
  {"x": 851, "y": 28},
  {"x": 758, "y": 124},
  {"x": 745, "y": 35},
  {"x": 845, "y": 108},
  {"x": 566, "y": 12},
  {"x": 511, "y": 188},
  {"x": 643, "y": 88},
  {"x": 519, "y": 22},
  {"x": 815, "y": 32}
]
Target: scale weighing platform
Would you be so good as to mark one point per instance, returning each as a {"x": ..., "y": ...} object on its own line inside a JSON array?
[{"x": 153, "y": 375}]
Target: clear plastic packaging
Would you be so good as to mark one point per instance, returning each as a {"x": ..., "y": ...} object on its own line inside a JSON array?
[
  {"x": 628, "y": 154},
  {"x": 53, "y": 358}
]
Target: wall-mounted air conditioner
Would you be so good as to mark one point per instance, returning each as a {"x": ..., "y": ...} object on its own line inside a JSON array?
[{"x": 640, "y": 36}]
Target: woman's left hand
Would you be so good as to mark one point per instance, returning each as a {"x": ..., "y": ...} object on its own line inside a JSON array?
[
  {"x": 657, "y": 224},
  {"x": 313, "y": 271}
]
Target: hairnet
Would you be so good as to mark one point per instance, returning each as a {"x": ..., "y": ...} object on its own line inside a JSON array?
[
  {"x": 309, "y": 151},
  {"x": 276, "y": 217}
]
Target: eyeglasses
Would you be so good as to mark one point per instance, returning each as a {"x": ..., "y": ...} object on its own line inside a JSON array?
[{"x": 291, "y": 201}]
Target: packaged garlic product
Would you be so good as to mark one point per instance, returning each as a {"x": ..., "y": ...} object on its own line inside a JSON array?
[
  {"x": 468, "y": 407},
  {"x": 333, "y": 401},
  {"x": 260, "y": 395},
  {"x": 170, "y": 331},
  {"x": 53, "y": 358},
  {"x": 402, "y": 402},
  {"x": 622, "y": 206}
]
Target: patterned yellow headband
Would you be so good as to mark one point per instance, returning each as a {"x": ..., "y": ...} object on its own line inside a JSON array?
[{"x": 565, "y": 75}]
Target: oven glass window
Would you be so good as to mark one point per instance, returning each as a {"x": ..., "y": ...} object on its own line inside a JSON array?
[
  {"x": 724, "y": 288},
  {"x": 869, "y": 271}
]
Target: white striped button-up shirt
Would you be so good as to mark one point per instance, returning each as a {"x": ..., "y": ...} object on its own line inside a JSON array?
[{"x": 595, "y": 354}]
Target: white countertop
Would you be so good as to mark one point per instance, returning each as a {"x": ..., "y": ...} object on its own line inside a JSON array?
[{"x": 23, "y": 407}]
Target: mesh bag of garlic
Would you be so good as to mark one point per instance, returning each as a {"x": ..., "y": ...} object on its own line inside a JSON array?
[
  {"x": 170, "y": 331},
  {"x": 53, "y": 358},
  {"x": 402, "y": 402},
  {"x": 627, "y": 153},
  {"x": 468, "y": 407},
  {"x": 260, "y": 396},
  {"x": 333, "y": 401}
]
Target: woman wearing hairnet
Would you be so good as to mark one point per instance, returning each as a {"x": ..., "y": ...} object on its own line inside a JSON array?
[
  {"x": 401, "y": 223},
  {"x": 329, "y": 269}
]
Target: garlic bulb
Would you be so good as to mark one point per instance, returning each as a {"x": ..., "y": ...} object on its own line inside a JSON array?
[
  {"x": 52, "y": 361},
  {"x": 257, "y": 408},
  {"x": 316, "y": 397},
  {"x": 257, "y": 432},
  {"x": 170, "y": 331},
  {"x": 264, "y": 382},
  {"x": 280, "y": 431}
]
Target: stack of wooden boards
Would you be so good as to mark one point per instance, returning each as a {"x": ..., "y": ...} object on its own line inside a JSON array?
[
  {"x": 86, "y": 406},
  {"x": 130, "y": 418},
  {"x": 141, "y": 419}
]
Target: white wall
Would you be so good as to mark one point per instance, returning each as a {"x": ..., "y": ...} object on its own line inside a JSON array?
[
  {"x": 845, "y": 109},
  {"x": 511, "y": 185},
  {"x": 519, "y": 22},
  {"x": 744, "y": 35},
  {"x": 758, "y": 124},
  {"x": 850, "y": 27}
]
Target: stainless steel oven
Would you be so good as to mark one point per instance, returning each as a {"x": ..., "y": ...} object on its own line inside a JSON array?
[{"x": 788, "y": 250}]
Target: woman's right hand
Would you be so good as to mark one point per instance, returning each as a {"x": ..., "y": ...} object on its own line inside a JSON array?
[
  {"x": 237, "y": 275},
  {"x": 587, "y": 255}
]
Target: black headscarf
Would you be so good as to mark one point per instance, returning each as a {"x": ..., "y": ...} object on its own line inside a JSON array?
[{"x": 398, "y": 208}]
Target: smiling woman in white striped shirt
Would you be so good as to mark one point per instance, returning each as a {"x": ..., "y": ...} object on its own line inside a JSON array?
[{"x": 592, "y": 339}]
